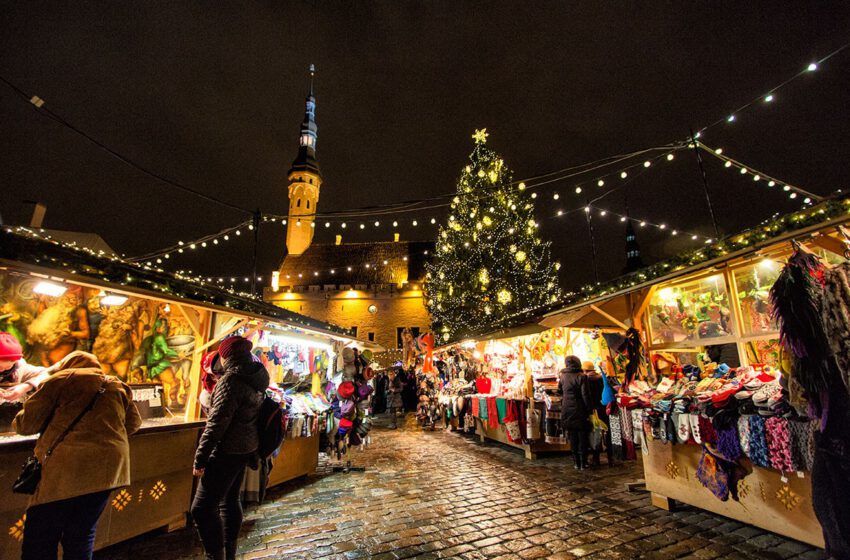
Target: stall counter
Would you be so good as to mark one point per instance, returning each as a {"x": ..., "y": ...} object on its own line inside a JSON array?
[
  {"x": 768, "y": 499},
  {"x": 159, "y": 495}
]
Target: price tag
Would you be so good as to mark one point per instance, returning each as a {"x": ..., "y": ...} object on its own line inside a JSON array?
[
  {"x": 801, "y": 474},
  {"x": 784, "y": 479}
]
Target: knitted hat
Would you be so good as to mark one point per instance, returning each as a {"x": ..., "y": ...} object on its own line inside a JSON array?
[
  {"x": 10, "y": 348},
  {"x": 234, "y": 345}
]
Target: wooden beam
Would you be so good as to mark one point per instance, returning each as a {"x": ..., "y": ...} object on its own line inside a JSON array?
[
  {"x": 609, "y": 317},
  {"x": 224, "y": 333},
  {"x": 192, "y": 404},
  {"x": 189, "y": 314},
  {"x": 830, "y": 244},
  {"x": 643, "y": 305}
]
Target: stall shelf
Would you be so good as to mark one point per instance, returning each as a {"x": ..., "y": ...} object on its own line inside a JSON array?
[{"x": 181, "y": 318}]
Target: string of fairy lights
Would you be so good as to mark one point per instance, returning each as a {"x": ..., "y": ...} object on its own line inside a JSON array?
[{"x": 587, "y": 175}]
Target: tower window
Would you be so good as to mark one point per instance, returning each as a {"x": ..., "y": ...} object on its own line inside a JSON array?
[
  {"x": 298, "y": 203},
  {"x": 311, "y": 181},
  {"x": 308, "y": 205}
]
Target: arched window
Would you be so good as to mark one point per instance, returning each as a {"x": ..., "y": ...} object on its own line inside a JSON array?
[
  {"x": 308, "y": 205},
  {"x": 298, "y": 203}
]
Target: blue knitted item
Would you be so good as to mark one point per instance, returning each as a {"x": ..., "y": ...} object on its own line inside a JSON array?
[
  {"x": 759, "y": 453},
  {"x": 728, "y": 443}
]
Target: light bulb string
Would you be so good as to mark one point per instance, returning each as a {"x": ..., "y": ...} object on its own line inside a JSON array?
[
  {"x": 774, "y": 89},
  {"x": 717, "y": 153}
]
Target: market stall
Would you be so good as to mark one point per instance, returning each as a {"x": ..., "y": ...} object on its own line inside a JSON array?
[
  {"x": 151, "y": 330},
  {"x": 710, "y": 410},
  {"x": 503, "y": 377}
]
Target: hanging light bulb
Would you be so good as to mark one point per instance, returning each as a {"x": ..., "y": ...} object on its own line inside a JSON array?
[
  {"x": 771, "y": 183},
  {"x": 600, "y": 183},
  {"x": 743, "y": 171},
  {"x": 556, "y": 196},
  {"x": 786, "y": 188},
  {"x": 769, "y": 98},
  {"x": 362, "y": 226},
  {"x": 622, "y": 218},
  {"x": 727, "y": 164},
  {"x": 578, "y": 190},
  {"x": 670, "y": 157},
  {"x": 433, "y": 220},
  {"x": 395, "y": 224},
  {"x": 327, "y": 224},
  {"x": 647, "y": 163},
  {"x": 756, "y": 177},
  {"x": 812, "y": 67},
  {"x": 623, "y": 175},
  {"x": 730, "y": 118},
  {"x": 343, "y": 225},
  {"x": 415, "y": 223}
]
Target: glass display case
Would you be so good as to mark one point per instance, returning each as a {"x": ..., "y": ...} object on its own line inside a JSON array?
[
  {"x": 692, "y": 313},
  {"x": 753, "y": 283}
]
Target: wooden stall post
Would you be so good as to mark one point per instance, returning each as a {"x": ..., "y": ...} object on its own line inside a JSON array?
[{"x": 201, "y": 326}]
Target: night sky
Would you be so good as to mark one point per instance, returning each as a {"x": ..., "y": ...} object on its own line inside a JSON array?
[{"x": 213, "y": 98}]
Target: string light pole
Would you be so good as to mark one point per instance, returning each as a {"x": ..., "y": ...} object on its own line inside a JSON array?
[
  {"x": 704, "y": 183},
  {"x": 255, "y": 225}
]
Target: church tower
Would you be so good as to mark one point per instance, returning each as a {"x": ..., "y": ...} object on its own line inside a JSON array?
[
  {"x": 633, "y": 258},
  {"x": 305, "y": 180}
]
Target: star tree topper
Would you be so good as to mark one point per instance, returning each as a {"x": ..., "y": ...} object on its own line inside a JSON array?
[{"x": 480, "y": 136}]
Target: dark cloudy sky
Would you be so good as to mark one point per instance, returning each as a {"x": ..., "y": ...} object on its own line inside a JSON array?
[{"x": 212, "y": 95}]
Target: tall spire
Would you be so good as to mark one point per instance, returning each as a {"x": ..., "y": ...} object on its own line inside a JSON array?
[{"x": 306, "y": 159}]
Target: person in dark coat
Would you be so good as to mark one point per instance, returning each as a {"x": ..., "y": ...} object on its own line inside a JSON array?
[
  {"x": 227, "y": 446},
  {"x": 395, "y": 403},
  {"x": 595, "y": 386},
  {"x": 576, "y": 406}
]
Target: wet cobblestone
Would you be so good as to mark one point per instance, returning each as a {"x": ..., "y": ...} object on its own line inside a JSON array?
[{"x": 442, "y": 495}]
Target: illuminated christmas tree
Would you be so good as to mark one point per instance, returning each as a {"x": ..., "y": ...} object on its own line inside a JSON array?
[{"x": 490, "y": 263}]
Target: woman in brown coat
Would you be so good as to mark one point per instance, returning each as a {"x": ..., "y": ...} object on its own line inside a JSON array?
[{"x": 92, "y": 460}]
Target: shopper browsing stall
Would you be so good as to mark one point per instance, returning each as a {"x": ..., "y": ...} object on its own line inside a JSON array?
[
  {"x": 85, "y": 419},
  {"x": 228, "y": 444},
  {"x": 14, "y": 370},
  {"x": 575, "y": 409}
]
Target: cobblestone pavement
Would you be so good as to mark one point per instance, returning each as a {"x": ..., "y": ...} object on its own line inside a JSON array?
[{"x": 443, "y": 495}]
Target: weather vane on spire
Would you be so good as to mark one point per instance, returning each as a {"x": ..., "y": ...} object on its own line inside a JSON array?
[{"x": 480, "y": 136}]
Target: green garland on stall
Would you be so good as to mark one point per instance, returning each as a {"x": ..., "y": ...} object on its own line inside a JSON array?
[
  {"x": 30, "y": 249},
  {"x": 821, "y": 213}
]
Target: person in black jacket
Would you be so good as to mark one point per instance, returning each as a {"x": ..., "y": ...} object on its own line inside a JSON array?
[
  {"x": 575, "y": 409},
  {"x": 228, "y": 444}
]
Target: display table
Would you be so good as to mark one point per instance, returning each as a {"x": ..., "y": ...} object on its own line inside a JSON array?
[
  {"x": 297, "y": 457},
  {"x": 784, "y": 508},
  {"x": 483, "y": 430},
  {"x": 159, "y": 495}
]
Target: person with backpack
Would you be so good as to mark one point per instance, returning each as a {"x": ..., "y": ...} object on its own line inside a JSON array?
[{"x": 229, "y": 443}]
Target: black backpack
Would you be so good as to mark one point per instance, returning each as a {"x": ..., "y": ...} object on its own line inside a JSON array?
[{"x": 269, "y": 427}]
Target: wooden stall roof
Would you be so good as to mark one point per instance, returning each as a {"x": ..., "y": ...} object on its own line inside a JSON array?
[
  {"x": 21, "y": 248},
  {"x": 590, "y": 308}
]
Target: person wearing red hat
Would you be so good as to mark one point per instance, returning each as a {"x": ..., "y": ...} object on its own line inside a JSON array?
[
  {"x": 227, "y": 446},
  {"x": 15, "y": 370}
]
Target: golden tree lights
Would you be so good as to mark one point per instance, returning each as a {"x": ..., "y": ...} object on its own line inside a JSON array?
[{"x": 491, "y": 264}]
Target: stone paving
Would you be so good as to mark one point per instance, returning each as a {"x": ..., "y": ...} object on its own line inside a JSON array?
[{"x": 444, "y": 495}]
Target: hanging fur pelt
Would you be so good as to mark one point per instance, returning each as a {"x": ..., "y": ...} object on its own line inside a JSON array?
[
  {"x": 794, "y": 296},
  {"x": 633, "y": 348}
]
